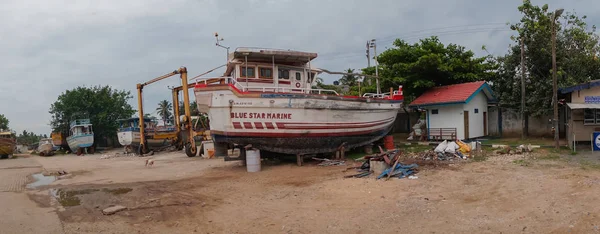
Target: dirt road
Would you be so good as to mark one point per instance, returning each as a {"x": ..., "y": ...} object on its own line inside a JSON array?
[{"x": 187, "y": 195}]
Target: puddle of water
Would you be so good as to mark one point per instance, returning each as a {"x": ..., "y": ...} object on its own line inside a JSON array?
[
  {"x": 117, "y": 191},
  {"x": 41, "y": 180},
  {"x": 69, "y": 197}
]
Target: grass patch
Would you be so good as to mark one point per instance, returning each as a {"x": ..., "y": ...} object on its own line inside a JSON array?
[
  {"x": 587, "y": 165},
  {"x": 522, "y": 162},
  {"x": 517, "y": 141},
  {"x": 415, "y": 148},
  {"x": 479, "y": 157},
  {"x": 550, "y": 156}
]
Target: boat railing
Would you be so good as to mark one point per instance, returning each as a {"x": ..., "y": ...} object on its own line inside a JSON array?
[
  {"x": 272, "y": 89},
  {"x": 383, "y": 95},
  {"x": 375, "y": 95}
]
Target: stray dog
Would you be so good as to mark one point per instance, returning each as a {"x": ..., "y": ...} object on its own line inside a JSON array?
[{"x": 149, "y": 162}]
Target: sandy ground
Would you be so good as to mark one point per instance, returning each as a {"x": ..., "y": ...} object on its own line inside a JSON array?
[{"x": 504, "y": 194}]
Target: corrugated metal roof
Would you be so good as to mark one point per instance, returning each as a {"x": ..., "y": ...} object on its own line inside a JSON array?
[
  {"x": 457, "y": 93},
  {"x": 584, "y": 105}
]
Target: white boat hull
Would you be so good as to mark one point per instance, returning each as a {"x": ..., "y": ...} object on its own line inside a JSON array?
[
  {"x": 295, "y": 123},
  {"x": 80, "y": 141},
  {"x": 132, "y": 138}
]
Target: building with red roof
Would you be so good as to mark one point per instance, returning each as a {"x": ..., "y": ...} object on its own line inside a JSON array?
[{"x": 456, "y": 111}]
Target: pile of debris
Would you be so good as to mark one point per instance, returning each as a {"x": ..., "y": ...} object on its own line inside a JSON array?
[{"x": 390, "y": 160}]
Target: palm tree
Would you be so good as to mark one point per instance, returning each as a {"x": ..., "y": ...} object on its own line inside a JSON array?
[
  {"x": 349, "y": 80},
  {"x": 164, "y": 110}
]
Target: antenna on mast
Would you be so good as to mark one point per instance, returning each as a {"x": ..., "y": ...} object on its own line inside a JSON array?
[{"x": 219, "y": 45}]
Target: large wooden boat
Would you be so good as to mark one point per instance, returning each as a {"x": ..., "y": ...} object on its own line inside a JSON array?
[
  {"x": 266, "y": 99},
  {"x": 7, "y": 144}
]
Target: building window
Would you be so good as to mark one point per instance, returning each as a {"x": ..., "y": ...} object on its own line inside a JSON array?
[
  {"x": 434, "y": 111},
  {"x": 284, "y": 74},
  {"x": 298, "y": 76},
  {"x": 250, "y": 71},
  {"x": 591, "y": 116},
  {"x": 476, "y": 111},
  {"x": 265, "y": 73}
]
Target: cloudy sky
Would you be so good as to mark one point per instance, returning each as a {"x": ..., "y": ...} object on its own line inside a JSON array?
[{"x": 48, "y": 46}]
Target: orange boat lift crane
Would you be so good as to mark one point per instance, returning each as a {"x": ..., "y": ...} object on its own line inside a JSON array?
[{"x": 188, "y": 135}]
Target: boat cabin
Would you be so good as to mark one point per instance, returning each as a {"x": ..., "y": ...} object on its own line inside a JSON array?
[
  {"x": 6, "y": 135},
  {"x": 134, "y": 124},
  {"x": 271, "y": 70},
  {"x": 81, "y": 127}
]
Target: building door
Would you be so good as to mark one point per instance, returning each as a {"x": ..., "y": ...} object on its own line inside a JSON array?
[
  {"x": 485, "y": 123},
  {"x": 466, "y": 115}
]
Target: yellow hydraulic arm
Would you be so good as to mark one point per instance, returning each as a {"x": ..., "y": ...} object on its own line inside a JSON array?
[{"x": 190, "y": 145}]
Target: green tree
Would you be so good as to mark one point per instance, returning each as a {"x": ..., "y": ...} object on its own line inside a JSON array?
[
  {"x": 28, "y": 138},
  {"x": 349, "y": 80},
  {"x": 103, "y": 105},
  {"x": 576, "y": 57},
  {"x": 426, "y": 64},
  {"x": 164, "y": 111},
  {"x": 193, "y": 108},
  {"x": 3, "y": 122}
]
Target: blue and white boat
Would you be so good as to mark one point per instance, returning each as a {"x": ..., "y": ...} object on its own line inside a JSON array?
[{"x": 81, "y": 137}]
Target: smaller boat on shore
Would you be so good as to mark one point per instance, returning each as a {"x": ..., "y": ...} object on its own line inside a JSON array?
[
  {"x": 81, "y": 137},
  {"x": 46, "y": 147},
  {"x": 156, "y": 136},
  {"x": 8, "y": 144}
]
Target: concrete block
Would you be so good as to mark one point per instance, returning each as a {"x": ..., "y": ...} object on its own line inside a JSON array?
[
  {"x": 113, "y": 209},
  {"x": 378, "y": 167}
]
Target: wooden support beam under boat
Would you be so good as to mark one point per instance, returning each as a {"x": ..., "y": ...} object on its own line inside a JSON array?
[{"x": 300, "y": 160}]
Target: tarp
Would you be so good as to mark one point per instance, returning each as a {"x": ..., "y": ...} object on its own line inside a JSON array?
[{"x": 584, "y": 105}]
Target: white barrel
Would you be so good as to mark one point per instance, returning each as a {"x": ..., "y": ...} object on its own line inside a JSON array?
[{"x": 253, "y": 160}]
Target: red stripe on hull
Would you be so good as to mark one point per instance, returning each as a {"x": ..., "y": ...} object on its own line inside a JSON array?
[
  {"x": 248, "y": 125},
  {"x": 237, "y": 125},
  {"x": 327, "y": 127},
  {"x": 258, "y": 125},
  {"x": 289, "y": 135},
  {"x": 338, "y": 123},
  {"x": 269, "y": 125}
]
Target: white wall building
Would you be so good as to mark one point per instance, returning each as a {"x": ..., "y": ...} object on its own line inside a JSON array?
[{"x": 457, "y": 111}]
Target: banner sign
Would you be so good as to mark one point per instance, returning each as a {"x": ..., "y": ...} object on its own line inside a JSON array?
[{"x": 592, "y": 99}]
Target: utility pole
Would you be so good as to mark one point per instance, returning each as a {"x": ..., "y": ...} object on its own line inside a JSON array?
[
  {"x": 368, "y": 54},
  {"x": 554, "y": 79},
  {"x": 376, "y": 65},
  {"x": 523, "y": 116}
]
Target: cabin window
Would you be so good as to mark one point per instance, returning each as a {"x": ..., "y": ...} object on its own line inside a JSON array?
[
  {"x": 264, "y": 72},
  {"x": 298, "y": 76},
  {"x": 434, "y": 111},
  {"x": 284, "y": 74},
  {"x": 476, "y": 110},
  {"x": 250, "y": 70},
  {"x": 591, "y": 116}
]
